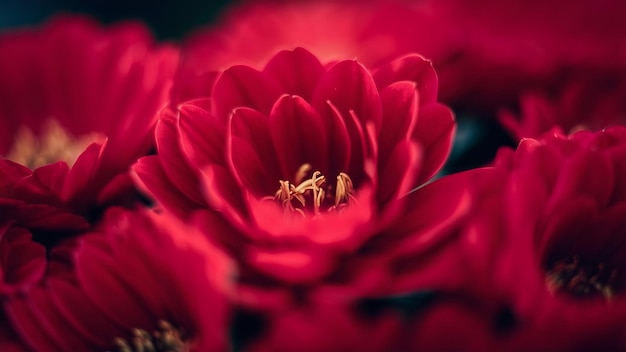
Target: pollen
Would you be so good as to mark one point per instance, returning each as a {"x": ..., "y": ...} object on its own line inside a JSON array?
[
  {"x": 53, "y": 144},
  {"x": 165, "y": 339},
  {"x": 312, "y": 194},
  {"x": 580, "y": 279}
]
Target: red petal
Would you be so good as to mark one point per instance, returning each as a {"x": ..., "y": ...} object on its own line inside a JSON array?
[
  {"x": 290, "y": 265},
  {"x": 434, "y": 132},
  {"x": 82, "y": 315},
  {"x": 80, "y": 175},
  {"x": 34, "y": 327},
  {"x": 339, "y": 143},
  {"x": 297, "y": 71},
  {"x": 410, "y": 68},
  {"x": 96, "y": 270},
  {"x": 243, "y": 86},
  {"x": 587, "y": 173},
  {"x": 151, "y": 178},
  {"x": 350, "y": 87},
  {"x": 250, "y": 170},
  {"x": 251, "y": 128},
  {"x": 202, "y": 135},
  {"x": 400, "y": 103},
  {"x": 223, "y": 193},
  {"x": 173, "y": 161},
  {"x": 433, "y": 211},
  {"x": 298, "y": 135},
  {"x": 397, "y": 176}
]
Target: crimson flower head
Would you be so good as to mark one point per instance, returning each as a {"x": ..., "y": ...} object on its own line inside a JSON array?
[
  {"x": 511, "y": 48},
  {"x": 302, "y": 163},
  {"x": 77, "y": 107},
  {"x": 374, "y": 32},
  {"x": 139, "y": 282},
  {"x": 547, "y": 241},
  {"x": 582, "y": 104}
]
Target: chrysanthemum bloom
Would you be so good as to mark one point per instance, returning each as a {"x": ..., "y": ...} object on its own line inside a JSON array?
[
  {"x": 112, "y": 290},
  {"x": 585, "y": 104},
  {"x": 304, "y": 166},
  {"x": 547, "y": 241},
  {"x": 374, "y": 32},
  {"x": 77, "y": 107},
  {"x": 513, "y": 47}
]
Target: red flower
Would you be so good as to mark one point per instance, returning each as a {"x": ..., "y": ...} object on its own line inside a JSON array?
[
  {"x": 585, "y": 104},
  {"x": 305, "y": 164},
  {"x": 519, "y": 46},
  {"x": 77, "y": 107},
  {"x": 136, "y": 271},
  {"x": 546, "y": 240},
  {"x": 329, "y": 324},
  {"x": 374, "y": 32}
]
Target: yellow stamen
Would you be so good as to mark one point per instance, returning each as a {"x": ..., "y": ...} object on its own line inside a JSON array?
[
  {"x": 313, "y": 188},
  {"x": 581, "y": 279},
  {"x": 53, "y": 144},
  {"x": 344, "y": 190},
  {"x": 166, "y": 338}
]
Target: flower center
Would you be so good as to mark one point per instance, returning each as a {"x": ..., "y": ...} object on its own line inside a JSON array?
[
  {"x": 312, "y": 194},
  {"x": 581, "y": 279},
  {"x": 165, "y": 339},
  {"x": 51, "y": 145}
]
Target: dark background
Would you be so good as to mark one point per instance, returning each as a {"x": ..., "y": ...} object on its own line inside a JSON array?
[{"x": 169, "y": 20}]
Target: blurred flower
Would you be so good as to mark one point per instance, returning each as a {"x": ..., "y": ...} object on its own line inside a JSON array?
[
  {"x": 373, "y": 32},
  {"x": 509, "y": 48},
  {"x": 586, "y": 104},
  {"x": 111, "y": 289},
  {"x": 77, "y": 107},
  {"x": 545, "y": 241},
  {"x": 329, "y": 324}
]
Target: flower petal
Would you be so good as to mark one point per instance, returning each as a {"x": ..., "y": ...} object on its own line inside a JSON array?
[
  {"x": 297, "y": 71},
  {"x": 202, "y": 135},
  {"x": 298, "y": 135},
  {"x": 400, "y": 102},
  {"x": 434, "y": 132},
  {"x": 413, "y": 68},
  {"x": 243, "y": 86},
  {"x": 350, "y": 87}
]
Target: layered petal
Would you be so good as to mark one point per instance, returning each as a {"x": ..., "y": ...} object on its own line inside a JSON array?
[
  {"x": 121, "y": 283},
  {"x": 97, "y": 90}
]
